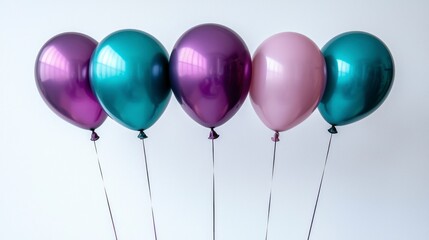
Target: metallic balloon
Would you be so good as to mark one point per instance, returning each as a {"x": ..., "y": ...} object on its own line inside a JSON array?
[
  {"x": 129, "y": 75},
  {"x": 288, "y": 80},
  {"x": 360, "y": 73},
  {"x": 62, "y": 78},
  {"x": 210, "y": 73}
]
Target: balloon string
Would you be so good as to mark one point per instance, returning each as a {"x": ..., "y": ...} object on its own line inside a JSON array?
[
  {"x": 150, "y": 191},
  {"x": 271, "y": 186},
  {"x": 213, "y": 189},
  {"x": 332, "y": 131},
  {"x": 105, "y": 191}
]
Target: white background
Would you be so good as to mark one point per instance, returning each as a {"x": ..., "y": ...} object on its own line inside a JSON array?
[{"x": 377, "y": 176}]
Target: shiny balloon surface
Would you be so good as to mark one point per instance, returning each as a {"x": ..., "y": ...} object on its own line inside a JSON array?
[
  {"x": 360, "y": 72},
  {"x": 288, "y": 80},
  {"x": 210, "y": 72},
  {"x": 62, "y": 78},
  {"x": 129, "y": 75}
]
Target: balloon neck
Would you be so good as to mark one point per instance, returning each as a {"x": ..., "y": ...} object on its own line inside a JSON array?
[
  {"x": 333, "y": 130},
  {"x": 94, "y": 136},
  {"x": 142, "y": 135},
  {"x": 276, "y": 136},
  {"x": 213, "y": 134}
]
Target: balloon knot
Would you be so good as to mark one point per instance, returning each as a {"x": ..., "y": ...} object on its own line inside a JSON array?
[
  {"x": 276, "y": 136},
  {"x": 94, "y": 136},
  {"x": 333, "y": 130},
  {"x": 213, "y": 134},
  {"x": 142, "y": 135}
]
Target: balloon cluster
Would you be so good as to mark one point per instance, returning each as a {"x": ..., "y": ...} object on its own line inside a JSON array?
[{"x": 128, "y": 76}]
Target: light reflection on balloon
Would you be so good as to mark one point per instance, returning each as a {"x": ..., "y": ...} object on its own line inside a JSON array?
[
  {"x": 360, "y": 72},
  {"x": 129, "y": 75},
  {"x": 210, "y": 70},
  {"x": 288, "y": 80},
  {"x": 61, "y": 74}
]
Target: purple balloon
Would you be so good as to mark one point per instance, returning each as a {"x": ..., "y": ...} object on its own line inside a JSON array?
[
  {"x": 210, "y": 73},
  {"x": 63, "y": 81}
]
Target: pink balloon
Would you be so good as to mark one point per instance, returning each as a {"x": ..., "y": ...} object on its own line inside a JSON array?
[{"x": 288, "y": 80}]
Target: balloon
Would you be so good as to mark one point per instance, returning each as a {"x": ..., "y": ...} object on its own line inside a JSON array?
[
  {"x": 288, "y": 80},
  {"x": 360, "y": 74},
  {"x": 210, "y": 72},
  {"x": 61, "y": 74},
  {"x": 129, "y": 75}
]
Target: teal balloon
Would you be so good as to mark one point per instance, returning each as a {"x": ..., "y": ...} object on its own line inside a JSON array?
[
  {"x": 129, "y": 76},
  {"x": 360, "y": 72}
]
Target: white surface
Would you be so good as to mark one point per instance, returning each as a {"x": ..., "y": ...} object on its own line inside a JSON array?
[{"x": 376, "y": 181}]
